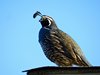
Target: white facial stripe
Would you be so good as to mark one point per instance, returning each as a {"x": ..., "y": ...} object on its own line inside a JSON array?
[
  {"x": 49, "y": 22},
  {"x": 49, "y": 18}
]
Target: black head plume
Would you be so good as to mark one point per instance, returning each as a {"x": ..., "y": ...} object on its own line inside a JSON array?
[
  {"x": 37, "y": 13},
  {"x": 46, "y": 21}
]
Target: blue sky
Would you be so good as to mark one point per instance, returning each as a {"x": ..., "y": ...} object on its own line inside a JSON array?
[{"x": 19, "y": 47}]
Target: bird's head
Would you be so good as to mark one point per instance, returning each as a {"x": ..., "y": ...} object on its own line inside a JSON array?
[{"x": 46, "y": 21}]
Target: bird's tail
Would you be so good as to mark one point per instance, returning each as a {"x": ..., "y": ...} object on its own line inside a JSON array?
[{"x": 84, "y": 63}]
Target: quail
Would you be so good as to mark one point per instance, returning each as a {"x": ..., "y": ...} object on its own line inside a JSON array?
[{"x": 58, "y": 46}]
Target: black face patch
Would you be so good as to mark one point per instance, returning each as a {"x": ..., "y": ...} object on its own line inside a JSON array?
[{"x": 45, "y": 23}]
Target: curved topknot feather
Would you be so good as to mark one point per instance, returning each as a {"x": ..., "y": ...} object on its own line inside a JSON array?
[{"x": 37, "y": 13}]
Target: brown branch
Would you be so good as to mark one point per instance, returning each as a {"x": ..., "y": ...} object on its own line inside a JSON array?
[{"x": 51, "y": 70}]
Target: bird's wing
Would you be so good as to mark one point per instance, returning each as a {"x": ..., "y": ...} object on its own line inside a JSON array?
[{"x": 72, "y": 48}]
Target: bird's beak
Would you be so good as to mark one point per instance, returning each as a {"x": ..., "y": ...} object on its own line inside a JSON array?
[{"x": 42, "y": 18}]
